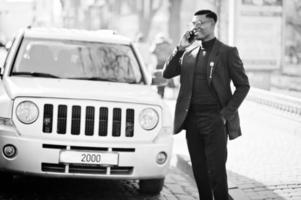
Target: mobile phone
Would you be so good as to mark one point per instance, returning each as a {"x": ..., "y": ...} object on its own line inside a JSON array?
[{"x": 191, "y": 36}]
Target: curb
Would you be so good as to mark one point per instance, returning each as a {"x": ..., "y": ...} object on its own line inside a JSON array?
[{"x": 184, "y": 164}]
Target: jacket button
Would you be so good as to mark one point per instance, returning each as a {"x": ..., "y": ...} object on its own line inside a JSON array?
[{"x": 186, "y": 109}]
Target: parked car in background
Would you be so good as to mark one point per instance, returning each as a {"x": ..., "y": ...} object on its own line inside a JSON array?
[{"x": 78, "y": 103}]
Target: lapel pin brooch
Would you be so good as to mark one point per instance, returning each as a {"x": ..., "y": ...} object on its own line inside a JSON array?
[{"x": 211, "y": 64}]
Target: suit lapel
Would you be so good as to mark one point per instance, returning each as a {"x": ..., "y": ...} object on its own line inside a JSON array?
[
  {"x": 211, "y": 64},
  {"x": 191, "y": 59}
]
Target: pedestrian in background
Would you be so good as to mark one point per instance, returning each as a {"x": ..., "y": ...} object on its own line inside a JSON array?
[
  {"x": 143, "y": 47},
  {"x": 206, "y": 106},
  {"x": 162, "y": 48}
]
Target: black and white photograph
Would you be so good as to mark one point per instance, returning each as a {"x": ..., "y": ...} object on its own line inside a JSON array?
[{"x": 150, "y": 100}]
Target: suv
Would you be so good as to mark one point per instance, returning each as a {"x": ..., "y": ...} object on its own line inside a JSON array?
[{"x": 78, "y": 103}]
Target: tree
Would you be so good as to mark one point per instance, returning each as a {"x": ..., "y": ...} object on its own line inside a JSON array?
[
  {"x": 70, "y": 13},
  {"x": 174, "y": 20},
  {"x": 146, "y": 10}
]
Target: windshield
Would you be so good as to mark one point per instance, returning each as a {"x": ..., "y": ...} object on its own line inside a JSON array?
[{"x": 77, "y": 60}]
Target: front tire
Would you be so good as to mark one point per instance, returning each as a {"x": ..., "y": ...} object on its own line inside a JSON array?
[
  {"x": 6, "y": 178},
  {"x": 151, "y": 186}
]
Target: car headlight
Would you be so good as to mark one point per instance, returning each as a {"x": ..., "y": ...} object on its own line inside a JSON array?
[
  {"x": 148, "y": 118},
  {"x": 27, "y": 112}
]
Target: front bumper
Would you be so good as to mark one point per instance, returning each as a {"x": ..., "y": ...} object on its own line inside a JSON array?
[{"x": 42, "y": 158}]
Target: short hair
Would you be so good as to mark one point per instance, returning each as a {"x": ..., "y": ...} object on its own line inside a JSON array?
[{"x": 208, "y": 13}]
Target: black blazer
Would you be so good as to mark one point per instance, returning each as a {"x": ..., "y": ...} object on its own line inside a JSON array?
[{"x": 224, "y": 65}]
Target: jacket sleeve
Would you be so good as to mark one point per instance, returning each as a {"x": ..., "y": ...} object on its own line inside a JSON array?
[
  {"x": 172, "y": 66},
  {"x": 240, "y": 81}
]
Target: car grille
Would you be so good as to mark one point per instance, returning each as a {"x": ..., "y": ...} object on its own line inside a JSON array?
[
  {"x": 66, "y": 168},
  {"x": 100, "y": 121},
  {"x": 86, "y": 169}
]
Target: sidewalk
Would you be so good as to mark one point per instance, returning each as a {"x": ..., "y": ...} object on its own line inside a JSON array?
[
  {"x": 265, "y": 162},
  {"x": 184, "y": 164}
]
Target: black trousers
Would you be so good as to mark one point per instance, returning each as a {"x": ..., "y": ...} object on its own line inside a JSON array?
[{"x": 207, "y": 145}]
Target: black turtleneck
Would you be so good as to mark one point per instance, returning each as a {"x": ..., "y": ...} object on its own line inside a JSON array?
[
  {"x": 207, "y": 45},
  {"x": 202, "y": 94}
]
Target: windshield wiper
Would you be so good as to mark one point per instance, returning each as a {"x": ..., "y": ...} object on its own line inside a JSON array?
[
  {"x": 103, "y": 79},
  {"x": 36, "y": 74},
  {"x": 94, "y": 79}
]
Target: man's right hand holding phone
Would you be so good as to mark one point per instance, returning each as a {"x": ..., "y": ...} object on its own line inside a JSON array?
[{"x": 186, "y": 40}]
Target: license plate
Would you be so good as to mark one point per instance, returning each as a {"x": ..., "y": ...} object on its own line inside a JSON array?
[{"x": 85, "y": 157}]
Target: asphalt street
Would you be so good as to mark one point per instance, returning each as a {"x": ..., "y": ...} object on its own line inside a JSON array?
[{"x": 177, "y": 187}]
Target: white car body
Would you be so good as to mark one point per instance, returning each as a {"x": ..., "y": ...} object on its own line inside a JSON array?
[{"x": 61, "y": 155}]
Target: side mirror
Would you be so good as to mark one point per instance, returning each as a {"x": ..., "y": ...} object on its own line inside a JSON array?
[
  {"x": 2, "y": 45},
  {"x": 157, "y": 78}
]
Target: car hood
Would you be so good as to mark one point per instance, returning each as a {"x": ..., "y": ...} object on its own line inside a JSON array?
[{"x": 80, "y": 89}]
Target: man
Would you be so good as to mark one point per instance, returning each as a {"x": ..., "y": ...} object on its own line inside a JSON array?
[{"x": 206, "y": 107}]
